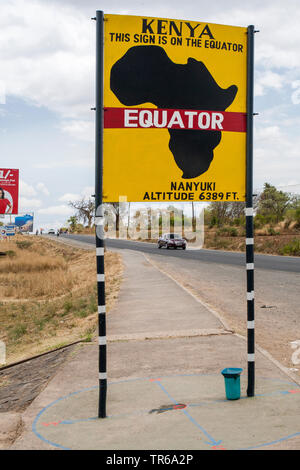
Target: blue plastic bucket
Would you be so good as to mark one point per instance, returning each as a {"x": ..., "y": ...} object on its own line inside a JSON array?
[{"x": 232, "y": 382}]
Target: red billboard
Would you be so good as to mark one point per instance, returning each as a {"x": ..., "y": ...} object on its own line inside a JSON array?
[{"x": 9, "y": 191}]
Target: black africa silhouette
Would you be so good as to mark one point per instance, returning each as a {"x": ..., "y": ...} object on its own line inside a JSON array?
[{"x": 145, "y": 74}]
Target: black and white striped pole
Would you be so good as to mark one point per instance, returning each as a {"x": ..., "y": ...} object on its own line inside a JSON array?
[
  {"x": 249, "y": 216},
  {"x": 99, "y": 215}
]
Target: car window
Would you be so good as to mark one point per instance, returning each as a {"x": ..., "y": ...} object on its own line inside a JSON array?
[{"x": 173, "y": 235}]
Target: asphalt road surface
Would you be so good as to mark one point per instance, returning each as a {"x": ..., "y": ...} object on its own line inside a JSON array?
[{"x": 269, "y": 262}]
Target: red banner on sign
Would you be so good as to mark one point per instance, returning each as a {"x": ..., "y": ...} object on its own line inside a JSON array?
[
  {"x": 9, "y": 191},
  {"x": 126, "y": 118}
]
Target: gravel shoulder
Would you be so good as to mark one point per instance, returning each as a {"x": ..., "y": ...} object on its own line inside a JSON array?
[
  {"x": 20, "y": 384},
  {"x": 224, "y": 288}
]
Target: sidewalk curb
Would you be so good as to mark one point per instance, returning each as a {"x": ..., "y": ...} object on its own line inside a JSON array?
[
  {"x": 283, "y": 369},
  {"x": 167, "y": 335},
  {"x": 280, "y": 366}
]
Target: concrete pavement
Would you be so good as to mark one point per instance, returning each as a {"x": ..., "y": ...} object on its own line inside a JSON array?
[{"x": 166, "y": 350}]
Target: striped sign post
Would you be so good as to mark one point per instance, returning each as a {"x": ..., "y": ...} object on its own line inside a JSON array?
[
  {"x": 128, "y": 117},
  {"x": 99, "y": 219},
  {"x": 249, "y": 216}
]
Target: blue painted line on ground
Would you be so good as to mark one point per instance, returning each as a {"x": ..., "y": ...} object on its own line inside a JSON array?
[
  {"x": 212, "y": 441},
  {"x": 190, "y": 405},
  {"x": 74, "y": 421},
  {"x": 34, "y": 424},
  {"x": 272, "y": 442},
  {"x": 259, "y": 395}
]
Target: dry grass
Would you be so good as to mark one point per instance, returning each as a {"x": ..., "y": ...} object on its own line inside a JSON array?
[
  {"x": 29, "y": 262},
  {"x": 48, "y": 294},
  {"x": 33, "y": 269},
  {"x": 263, "y": 242}
]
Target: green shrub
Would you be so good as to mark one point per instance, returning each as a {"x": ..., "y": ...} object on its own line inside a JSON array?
[
  {"x": 213, "y": 221},
  {"x": 222, "y": 231},
  {"x": 93, "y": 304},
  {"x": 24, "y": 244},
  {"x": 239, "y": 221},
  {"x": 227, "y": 232},
  {"x": 81, "y": 314},
  {"x": 10, "y": 253},
  {"x": 233, "y": 232},
  {"x": 40, "y": 323},
  {"x": 18, "y": 331},
  {"x": 271, "y": 231},
  {"x": 68, "y": 305},
  {"x": 292, "y": 248},
  {"x": 88, "y": 338},
  {"x": 88, "y": 335},
  {"x": 260, "y": 220},
  {"x": 82, "y": 303},
  {"x": 79, "y": 228}
]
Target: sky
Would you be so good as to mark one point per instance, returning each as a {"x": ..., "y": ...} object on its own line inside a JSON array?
[{"x": 47, "y": 82}]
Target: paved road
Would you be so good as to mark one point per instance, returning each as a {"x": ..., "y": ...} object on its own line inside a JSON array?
[{"x": 277, "y": 263}]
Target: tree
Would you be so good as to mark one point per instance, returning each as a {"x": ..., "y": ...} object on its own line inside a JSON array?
[
  {"x": 222, "y": 212},
  {"x": 293, "y": 212},
  {"x": 273, "y": 203},
  {"x": 193, "y": 218},
  {"x": 294, "y": 201},
  {"x": 112, "y": 210},
  {"x": 140, "y": 220},
  {"x": 85, "y": 210},
  {"x": 118, "y": 212},
  {"x": 218, "y": 212},
  {"x": 236, "y": 209},
  {"x": 128, "y": 220},
  {"x": 72, "y": 221}
]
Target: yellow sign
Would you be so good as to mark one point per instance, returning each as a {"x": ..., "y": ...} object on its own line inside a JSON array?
[{"x": 174, "y": 110}]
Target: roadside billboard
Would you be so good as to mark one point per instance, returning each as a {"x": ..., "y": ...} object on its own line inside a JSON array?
[
  {"x": 10, "y": 230},
  {"x": 9, "y": 191},
  {"x": 174, "y": 110},
  {"x": 24, "y": 223}
]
